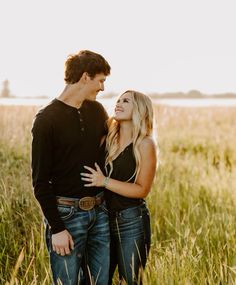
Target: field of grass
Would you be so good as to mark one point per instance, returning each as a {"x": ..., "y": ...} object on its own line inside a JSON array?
[{"x": 192, "y": 203}]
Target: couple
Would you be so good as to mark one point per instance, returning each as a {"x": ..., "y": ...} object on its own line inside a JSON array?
[{"x": 90, "y": 176}]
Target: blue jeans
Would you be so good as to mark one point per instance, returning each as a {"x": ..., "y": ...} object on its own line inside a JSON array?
[
  {"x": 130, "y": 243},
  {"x": 90, "y": 233}
]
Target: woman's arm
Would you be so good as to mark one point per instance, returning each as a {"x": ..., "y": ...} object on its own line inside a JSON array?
[{"x": 141, "y": 187}]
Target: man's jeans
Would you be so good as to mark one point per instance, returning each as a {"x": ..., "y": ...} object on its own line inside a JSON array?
[
  {"x": 90, "y": 233},
  {"x": 130, "y": 243}
]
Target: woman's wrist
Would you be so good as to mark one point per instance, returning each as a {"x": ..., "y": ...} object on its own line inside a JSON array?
[{"x": 106, "y": 181}]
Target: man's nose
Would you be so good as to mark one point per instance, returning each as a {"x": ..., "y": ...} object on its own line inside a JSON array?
[{"x": 102, "y": 87}]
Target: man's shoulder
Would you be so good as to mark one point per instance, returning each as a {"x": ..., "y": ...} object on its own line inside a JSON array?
[
  {"x": 48, "y": 109},
  {"x": 46, "y": 113}
]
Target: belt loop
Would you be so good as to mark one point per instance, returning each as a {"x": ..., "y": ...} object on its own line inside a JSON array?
[{"x": 77, "y": 203}]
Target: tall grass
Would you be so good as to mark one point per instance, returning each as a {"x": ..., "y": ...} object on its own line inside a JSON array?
[
  {"x": 21, "y": 230},
  {"x": 192, "y": 202}
]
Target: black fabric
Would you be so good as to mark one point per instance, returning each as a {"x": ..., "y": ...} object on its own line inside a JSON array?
[
  {"x": 123, "y": 170},
  {"x": 64, "y": 140}
]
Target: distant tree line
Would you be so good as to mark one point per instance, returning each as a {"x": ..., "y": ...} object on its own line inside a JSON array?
[{"x": 193, "y": 94}]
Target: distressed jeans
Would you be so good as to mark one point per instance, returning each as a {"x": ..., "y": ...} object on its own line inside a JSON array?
[
  {"x": 90, "y": 233},
  {"x": 130, "y": 243}
]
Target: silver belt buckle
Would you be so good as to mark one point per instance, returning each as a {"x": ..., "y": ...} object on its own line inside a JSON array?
[{"x": 87, "y": 203}]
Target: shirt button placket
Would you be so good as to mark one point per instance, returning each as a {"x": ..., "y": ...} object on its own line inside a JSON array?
[{"x": 81, "y": 121}]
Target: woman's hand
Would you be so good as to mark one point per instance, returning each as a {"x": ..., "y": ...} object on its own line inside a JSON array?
[{"x": 95, "y": 177}]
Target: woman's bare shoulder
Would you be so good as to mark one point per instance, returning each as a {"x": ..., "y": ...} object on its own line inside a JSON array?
[{"x": 148, "y": 144}]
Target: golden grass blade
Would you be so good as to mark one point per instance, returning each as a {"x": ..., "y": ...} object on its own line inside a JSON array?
[{"x": 17, "y": 266}]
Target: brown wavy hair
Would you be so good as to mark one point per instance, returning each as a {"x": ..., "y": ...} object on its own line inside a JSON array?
[{"x": 85, "y": 61}]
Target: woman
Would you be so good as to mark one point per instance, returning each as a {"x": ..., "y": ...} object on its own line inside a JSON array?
[{"x": 130, "y": 166}]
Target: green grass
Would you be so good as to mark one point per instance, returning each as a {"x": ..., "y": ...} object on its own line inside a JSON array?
[{"x": 192, "y": 202}]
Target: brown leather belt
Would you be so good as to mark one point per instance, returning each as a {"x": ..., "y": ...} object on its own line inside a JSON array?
[{"x": 85, "y": 203}]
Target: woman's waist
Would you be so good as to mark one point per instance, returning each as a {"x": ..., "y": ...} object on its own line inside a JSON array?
[
  {"x": 118, "y": 202},
  {"x": 129, "y": 212}
]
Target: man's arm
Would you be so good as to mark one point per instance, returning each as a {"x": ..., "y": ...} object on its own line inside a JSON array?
[{"x": 42, "y": 150}]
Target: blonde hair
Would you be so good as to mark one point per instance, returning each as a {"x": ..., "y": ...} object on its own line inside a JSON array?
[{"x": 142, "y": 118}]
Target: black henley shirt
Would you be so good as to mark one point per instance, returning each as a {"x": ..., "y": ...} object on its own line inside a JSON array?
[{"x": 64, "y": 140}]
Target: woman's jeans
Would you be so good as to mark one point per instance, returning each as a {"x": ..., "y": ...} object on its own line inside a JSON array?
[
  {"x": 90, "y": 233},
  {"x": 130, "y": 243}
]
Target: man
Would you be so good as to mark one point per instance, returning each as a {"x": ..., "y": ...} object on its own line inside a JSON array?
[{"x": 66, "y": 136}]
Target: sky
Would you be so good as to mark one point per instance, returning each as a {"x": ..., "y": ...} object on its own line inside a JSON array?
[{"x": 153, "y": 46}]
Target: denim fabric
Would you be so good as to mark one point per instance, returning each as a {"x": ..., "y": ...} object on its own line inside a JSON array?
[
  {"x": 130, "y": 243},
  {"x": 90, "y": 233}
]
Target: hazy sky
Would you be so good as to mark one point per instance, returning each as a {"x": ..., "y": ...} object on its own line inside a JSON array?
[{"x": 151, "y": 45}]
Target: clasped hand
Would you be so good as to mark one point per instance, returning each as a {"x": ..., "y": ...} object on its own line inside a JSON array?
[{"x": 95, "y": 177}]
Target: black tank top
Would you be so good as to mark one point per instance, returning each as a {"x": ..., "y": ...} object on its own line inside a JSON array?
[{"x": 123, "y": 170}]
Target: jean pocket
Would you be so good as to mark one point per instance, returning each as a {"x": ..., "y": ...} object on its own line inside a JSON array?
[
  {"x": 131, "y": 214},
  {"x": 65, "y": 212}
]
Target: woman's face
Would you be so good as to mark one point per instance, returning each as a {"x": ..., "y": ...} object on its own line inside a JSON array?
[{"x": 124, "y": 108}]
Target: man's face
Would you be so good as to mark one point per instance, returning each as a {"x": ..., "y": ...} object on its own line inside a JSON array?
[{"x": 94, "y": 85}]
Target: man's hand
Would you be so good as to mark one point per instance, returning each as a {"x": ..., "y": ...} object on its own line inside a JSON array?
[{"x": 62, "y": 243}]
